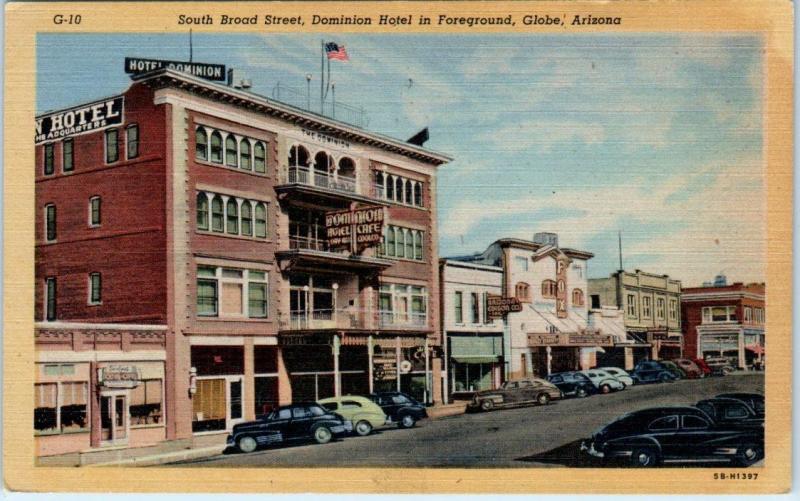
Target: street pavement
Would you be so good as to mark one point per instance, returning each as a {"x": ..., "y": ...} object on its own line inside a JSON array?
[{"x": 539, "y": 436}]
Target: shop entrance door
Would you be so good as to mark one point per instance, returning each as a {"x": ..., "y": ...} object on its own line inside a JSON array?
[{"x": 114, "y": 421}]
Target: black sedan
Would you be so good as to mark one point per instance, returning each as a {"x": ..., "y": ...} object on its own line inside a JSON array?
[
  {"x": 573, "y": 384},
  {"x": 399, "y": 408},
  {"x": 303, "y": 421},
  {"x": 650, "y": 371},
  {"x": 754, "y": 400},
  {"x": 731, "y": 412},
  {"x": 651, "y": 437}
]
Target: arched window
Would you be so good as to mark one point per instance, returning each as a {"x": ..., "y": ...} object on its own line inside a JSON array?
[
  {"x": 232, "y": 211},
  {"x": 418, "y": 194},
  {"x": 409, "y": 244},
  {"x": 577, "y": 297},
  {"x": 200, "y": 144},
  {"x": 398, "y": 189},
  {"x": 322, "y": 167},
  {"x": 523, "y": 292},
  {"x": 380, "y": 184},
  {"x": 230, "y": 151},
  {"x": 298, "y": 156},
  {"x": 217, "y": 214},
  {"x": 390, "y": 241},
  {"x": 247, "y": 219},
  {"x": 409, "y": 192},
  {"x": 216, "y": 147},
  {"x": 260, "y": 157},
  {"x": 390, "y": 188},
  {"x": 202, "y": 211},
  {"x": 549, "y": 289},
  {"x": 347, "y": 167},
  {"x": 244, "y": 154},
  {"x": 418, "y": 236},
  {"x": 261, "y": 220}
]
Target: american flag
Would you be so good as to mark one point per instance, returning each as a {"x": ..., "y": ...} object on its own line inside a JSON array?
[{"x": 336, "y": 51}]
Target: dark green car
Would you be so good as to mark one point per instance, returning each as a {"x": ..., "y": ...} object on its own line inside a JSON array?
[{"x": 673, "y": 368}]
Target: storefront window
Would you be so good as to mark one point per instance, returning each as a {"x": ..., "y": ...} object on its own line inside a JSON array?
[
  {"x": 222, "y": 292},
  {"x": 145, "y": 403},
  {"x": 45, "y": 413},
  {"x": 67, "y": 413},
  {"x": 266, "y": 398},
  {"x": 395, "y": 300}
]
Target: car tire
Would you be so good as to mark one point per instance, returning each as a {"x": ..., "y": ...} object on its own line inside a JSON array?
[
  {"x": 246, "y": 444},
  {"x": 407, "y": 421},
  {"x": 749, "y": 454},
  {"x": 644, "y": 458},
  {"x": 363, "y": 428},
  {"x": 487, "y": 405},
  {"x": 543, "y": 399},
  {"x": 581, "y": 393},
  {"x": 323, "y": 435},
  {"x": 664, "y": 378},
  {"x": 605, "y": 389}
]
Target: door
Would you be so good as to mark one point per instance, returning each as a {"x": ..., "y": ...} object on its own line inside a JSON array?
[
  {"x": 114, "y": 418},
  {"x": 234, "y": 402},
  {"x": 300, "y": 423}
]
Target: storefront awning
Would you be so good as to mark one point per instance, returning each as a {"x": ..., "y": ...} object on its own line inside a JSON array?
[
  {"x": 478, "y": 349},
  {"x": 755, "y": 348},
  {"x": 475, "y": 360}
]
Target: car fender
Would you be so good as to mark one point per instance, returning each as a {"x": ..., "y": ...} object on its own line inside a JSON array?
[
  {"x": 634, "y": 441},
  {"x": 498, "y": 399}
]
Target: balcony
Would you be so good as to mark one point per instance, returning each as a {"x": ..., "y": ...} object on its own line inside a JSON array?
[
  {"x": 313, "y": 254},
  {"x": 331, "y": 190},
  {"x": 353, "y": 319}
]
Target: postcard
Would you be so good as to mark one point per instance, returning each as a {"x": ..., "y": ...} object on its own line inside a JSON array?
[{"x": 398, "y": 247}]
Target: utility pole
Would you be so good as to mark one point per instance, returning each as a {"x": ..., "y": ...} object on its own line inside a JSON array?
[
  {"x": 322, "y": 77},
  {"x": 619, "y": 236},
  {"x": 190, "y": 45}
]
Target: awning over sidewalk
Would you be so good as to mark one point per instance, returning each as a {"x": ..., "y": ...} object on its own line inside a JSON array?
[
  {"x": 475, "y": 349},
  {"x": 755, "y": 348}
]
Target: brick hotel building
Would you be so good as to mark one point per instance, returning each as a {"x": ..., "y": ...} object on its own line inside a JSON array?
[{"x": 184, "y": 279}]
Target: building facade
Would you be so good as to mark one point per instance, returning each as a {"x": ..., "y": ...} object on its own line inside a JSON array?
[
  {"x": 552, "y": 332},
  {"x": 204, "y": 254},
  {"x": 474, "y": 343},
  {"x": 651, "y": 310},
  {"x": 726, "y": 321}
]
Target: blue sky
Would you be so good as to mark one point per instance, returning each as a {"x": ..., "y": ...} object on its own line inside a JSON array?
[{"x": 658, "y": 136}]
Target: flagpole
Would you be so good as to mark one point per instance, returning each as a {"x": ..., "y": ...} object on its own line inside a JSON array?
[{"x": 322, "y": 76}]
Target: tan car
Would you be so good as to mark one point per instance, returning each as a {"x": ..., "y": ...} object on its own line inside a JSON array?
[{"x": 515, "y": 393}]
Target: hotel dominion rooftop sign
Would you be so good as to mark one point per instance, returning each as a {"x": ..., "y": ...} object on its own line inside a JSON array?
[{"x": 137, "y": 65}]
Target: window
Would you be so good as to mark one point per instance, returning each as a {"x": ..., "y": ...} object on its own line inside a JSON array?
[
  {"x": 112, "y": 146},
  {"x": 735, "y": 412},
  {"x": 418, "y": 194},
  {"x": 577, "y": 297},
  {"x": 715, "y": 314},
  {"x": 244, "y": 154},
  {"x": 693, "y": 423},
  {"x": 68, "y": 155},
  {"x": 660, "y": 303},
  {"x": 402, "y": 242},
  {"x": 221, "y": 292},
  {"x": 216, "y": 147},
  {"x": 523, "y": 291},
  {"x": 390, "y": 240},
  {"x": 231, "y": 152},
  {"x": 673, "y": 309},
  {"x": 664, "y": 424},
  {"x": 549, "y": 289},
  {"x": 247, "y": 218},
  {"x": 200, "y": 144},
  {"x": 409, "y": 199},
  {"x": 418, "y": 236},
  {"x": 486, "y": 318},
  {"x": 202, "y": 211},
  {"x": 748, "y": 315},
  {"x": 394, "y": 302},
  {"x": 50, "y": 298},
  {"x": 217, "y": 215},
  {"x": 60, "y": 407},
  {"x": 631, "y": 305},
  {"x": 389, "y": 188},
  {"x": 758, "y": 313},
  {"x": 459, "y": 307},
  {"x": 261, "y": 220},
  {"x": 646, "y": 309},
  {"x": 95, "y": 288},
  {"x": 132, "y": 141},
  {"x": 50, "y": 222},
  {"x": 49, "y": 159},
  {"x": 145, "y": 403},
  {"x": 232, "y": 212},
  {"x": 399, "y": 189},
  {"x": 260, "y": 162},
  {"x": 475, "y": 304},
  {"x": 595, "y": 301},
  {"x": 94, "y": 211},
  {"x": 521, "y": 263}
]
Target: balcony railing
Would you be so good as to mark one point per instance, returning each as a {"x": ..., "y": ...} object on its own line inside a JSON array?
[
  {"x": 304, "y": 175},
  {"x": 352, "y": 319},
  {"x": 307, "y": 243}
]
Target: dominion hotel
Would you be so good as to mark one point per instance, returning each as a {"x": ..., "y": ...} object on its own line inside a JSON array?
[{"x": 204, "y": 254}]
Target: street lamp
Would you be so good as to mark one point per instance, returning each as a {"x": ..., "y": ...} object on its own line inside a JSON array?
[{"x": 308, "y": 91}]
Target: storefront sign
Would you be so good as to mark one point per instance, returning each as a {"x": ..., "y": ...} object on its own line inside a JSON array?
[
  {"x": 561, "y": 287},
  {"x": 119, "y": 376},
  {"x": 570, "y": 340},
  {"x": 657, "y": 335},
  {"x": 136, "y": 65},
  {"x": 357, "y": 229},
  {"x": 499, "y": 306},
  {"x": 80, "y": 120}
]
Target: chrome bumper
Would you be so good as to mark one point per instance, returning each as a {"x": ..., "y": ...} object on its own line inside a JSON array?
[{"x": 590, "y": 450}]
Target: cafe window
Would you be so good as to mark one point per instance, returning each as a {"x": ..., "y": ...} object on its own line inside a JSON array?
[
  {"x": 49, "y": 159},
  {"x": 459, "y": 307},
  {"x": 95, "y": 288},
  {"x": 231, "y": 152},
  {"x": 132, "y": 141},
  {"x": 200, "y": 144},
  {"x": 216, "y": 147},
  {"x": 94, "y": 211},
  {"x": 577, "y": 297},
  {"x": 146, "y": 403},
  {"x": 522, "y": 291},
  {"x": 50, "y": 298},
  {"x": 112, "y": 146},
  {"x": 60, "y": 407},
  {"x": 50, "y": 222},
  {"x": 549, "y": 289},
  {"x": 260, "y": 158},
  {"x": 221, "y": 292},
  {"x": 68, "y": 155}
]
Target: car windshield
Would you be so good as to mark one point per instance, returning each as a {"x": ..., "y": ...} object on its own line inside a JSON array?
[
  {"x": 400, "y": 399},
  {"x": 556, "y": 379},
  {"x": 316, "y": 410}
]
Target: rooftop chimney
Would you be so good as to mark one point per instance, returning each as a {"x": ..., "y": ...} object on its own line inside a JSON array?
[
  {"x": 238, "y": 80},
  {"x": 419, "y": 138}
]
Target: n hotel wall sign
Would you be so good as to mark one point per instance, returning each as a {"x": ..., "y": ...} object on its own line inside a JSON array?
[{"x": 80, "y": 120}]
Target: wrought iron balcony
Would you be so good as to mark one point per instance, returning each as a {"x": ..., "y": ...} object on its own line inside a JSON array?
[{"x": 345, "y": 319}]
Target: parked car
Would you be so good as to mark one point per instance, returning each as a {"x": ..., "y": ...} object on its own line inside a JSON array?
[
  {"x": 673, "y": 368},
  {"x": 720, "y": 366},
  {"x": 730, "y": 412},
  {"x": 620, "y": 374},
  {"x": 515, "y": 393},
  {"x": 754, "y": 400},
  {"x": 689, "y": 368},
  {"x": 363, "y": 413},
  {"x": 573, "y": 384},
  {"x": 302, "y": 421},
  {"x": 700, "y": 363},
  {"x": 651, "y": 437},
  {"x": 603, "y": 381},
  {"x": 649, "y": 371},
  {"x": 399, "y": 408}
]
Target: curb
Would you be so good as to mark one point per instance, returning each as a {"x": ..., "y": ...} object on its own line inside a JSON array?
[
  {"x": 450, "y": 410},
  {"x": 165, "y": 458}
]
